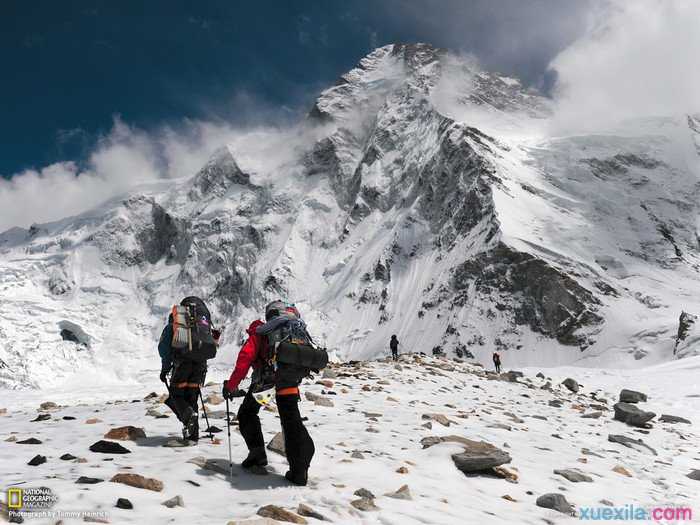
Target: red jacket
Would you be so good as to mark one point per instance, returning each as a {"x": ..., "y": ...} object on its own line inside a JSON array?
[{"x": 247, "y": 357}]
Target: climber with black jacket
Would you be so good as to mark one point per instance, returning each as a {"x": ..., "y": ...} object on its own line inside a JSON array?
[
  {"x": 186, "y": 360},
  {"x": 394, "y": 346},
  {"x": 283, "y": 323}
]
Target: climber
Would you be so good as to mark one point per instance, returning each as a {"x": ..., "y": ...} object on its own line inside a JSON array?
[
  {"x": 283, "y": 327},
  {"x": 186, "y": 343},
  {"x": 497, "y": 362},
  {"x": 394, "y": 345}
]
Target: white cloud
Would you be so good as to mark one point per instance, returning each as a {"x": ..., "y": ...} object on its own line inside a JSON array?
[{"x": 638, "y": 58}]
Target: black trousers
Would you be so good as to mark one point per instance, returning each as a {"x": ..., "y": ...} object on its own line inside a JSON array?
[
  {"x": 498, "y": 367},
  {"x": 395, "y": 355},
  {"x": 298, "y": 444},
  {"x": 186, "y": 380}
]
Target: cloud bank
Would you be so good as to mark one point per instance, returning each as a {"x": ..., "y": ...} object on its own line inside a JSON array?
[{"x": 638, "y": 58}]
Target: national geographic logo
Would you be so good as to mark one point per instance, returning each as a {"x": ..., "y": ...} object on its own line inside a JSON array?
[{"x": 40, "y": 498}]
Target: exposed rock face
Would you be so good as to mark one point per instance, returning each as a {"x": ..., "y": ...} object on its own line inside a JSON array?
[{"x": 687, "y": 337}]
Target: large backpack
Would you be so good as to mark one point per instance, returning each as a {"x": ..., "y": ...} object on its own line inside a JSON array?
[
  {"x": 192, "y": 336},
  {"x": 291, "y": 353}
]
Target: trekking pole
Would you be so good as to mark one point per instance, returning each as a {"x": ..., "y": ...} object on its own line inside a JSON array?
[
  {"x": 228, "y": 429},
  {"x": 206, "y": 417}
]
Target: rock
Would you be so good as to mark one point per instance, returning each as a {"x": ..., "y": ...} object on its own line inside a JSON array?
[
  {"x": 123, "y": 503},
  {"x": 67, "y": 457},
  {"x": 214, "y": 399},
  {"x": 694, "y": 475},
  {"x": 574, "y": 475},
  {"x": 30, "y": 441},
  {"x": 173, "y": 502},
  {"x": 277, "y": 444},
  {"x": 665, "y": 418},
  {"x": 508, "y": 498},
  {"x": 329, "y": 373},
  {"x": 402, "y": 493},
  {"x": 3, "y": 411},
  {"x": 11, "y": 439},
  {"x": 511, "y": 376},
  {"x": 127, "y": 433},
  {"x": 547, "y": 386},
  {"x": 504, "y": 473},
  {"x": 152, "y": 395},
  {"x": 84, "y": 480},
  {"x": 254, "y": 521},
  {"x": 364, "y": 504},
  {"x": 635, "y": 444},
  {"x": 592, "y": 415},
  {"x": 632, "y": 396},
  {"x": 479, "y": 455},
  {"x": 41, "y": 417},
  {"x": 92, "y": 421},
  {"x": 109, "y": 447},
  {"x": 68, "y": 418},
  {"x": 277, "y": 513},
  {"x": 540, "y": 375},
  {"x": 325, "y": 382},
  {"x": 555, "y": 403},
  {"x": 622, "y": 470},
  {"x": 402, "y": 470},
  {"x": 555, "y": 502},
  {"x": 310, "y": 396},
  {"x": 630, "y": 414},
  {"x": 439, "y": 418},
  {"x": 607, "y": 503},
  {"x": 214, "y": 465},
  {"x": 37, "y": 460},
  {"x": 571, "y": 384},
  {"x": 138, "y": 481},
  {"x": 356, "y": 454},
  {"x": 323, "y": 402},
  {"x": 308, "y": 512},
  {"x": 155, "y": 413},
  {"x": 363, "y": 493},
  {"x": 48, "y": 405}
]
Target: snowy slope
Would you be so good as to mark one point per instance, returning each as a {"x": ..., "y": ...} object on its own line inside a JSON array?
[
  {"x": 379, "y": 412},
  {"x": 422, "y": 197}
]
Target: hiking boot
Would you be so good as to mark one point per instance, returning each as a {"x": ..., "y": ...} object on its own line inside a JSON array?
[
  {"x": 300, "y": 478},
  {"x": 191, "y": 430},
  {"x": 257, "y": 457}
]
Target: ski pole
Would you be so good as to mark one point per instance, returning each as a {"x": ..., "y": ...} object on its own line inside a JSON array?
[
  {"x": 228, "y": 429},
  {"x": 206, "y": 417}
]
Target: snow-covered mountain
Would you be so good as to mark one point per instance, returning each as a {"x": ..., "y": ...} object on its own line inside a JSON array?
[{"x": 422, "y": 197}]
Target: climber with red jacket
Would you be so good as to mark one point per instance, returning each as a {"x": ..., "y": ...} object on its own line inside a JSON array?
[{"x": 283, "y": 322}]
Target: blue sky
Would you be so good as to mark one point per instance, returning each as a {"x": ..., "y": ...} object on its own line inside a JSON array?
[{"x": 70, "y": 67}]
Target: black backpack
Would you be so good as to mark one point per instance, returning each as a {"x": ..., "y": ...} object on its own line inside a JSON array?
[{"x": 192, "y": 331}]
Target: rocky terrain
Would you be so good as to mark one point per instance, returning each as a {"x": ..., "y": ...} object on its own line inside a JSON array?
[{"x": 424, "y": 440}]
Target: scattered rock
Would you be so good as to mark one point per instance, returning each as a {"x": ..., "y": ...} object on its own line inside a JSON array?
[
  {"x": 138, "y": 481},
  {"x": 108, "y": 447},
  {"x": 630, "y": 414},
  {"x": 277, "y": 444},
  {"x": 214, "y": 399},
  {"x": 665, "y": 418},
  {"x": 506, "y": 474},
  {"x": 173, "y": 502},
  {"x": 571, "y": 384},
  {"x": 635, "y": 444},
  {"x": 478, "y": 456},
  {"x": 277, "y": 513},
  {"x": 152, "y": 395},
  {"x": 68, "y": 418},
  {"x": 364, "y": 504},
  {"x": 127, "y": 433},
  {"x": 402, "y": 493},
  {"x": 694, "y": 475},
  {"x": 592, "y": 415},
  {"x": 356, "y": 454},
  {"x": 84, "y": 480},
  {"x": 632, "y": 396},
  {"x": 329, "y": 373},
  {"x": 67, "y": 457},
  {"x": 123, "y": 503},
  {"x": 574, "y": 475},
  {"x": 439, "y": 418},
  {"x": 92, "y": 421},
  {"x": 363, "y": 493},
  {"x": 540, "y": 375},
  {"x": 41, "y": 417},
  {"x": 308, "y": 512},
  {"x": 37, "y": 460},
  {"x": 508, "y": 498},
  {"x": 213, "y": 465},
  {"x": 402, "y": 470},
  {"x": 48, "y": 405},
  {"x": 622, "y": 470},
  {"x": 555, "y": 502},
  {"x": 555, "y": 403},
  {"x": 323, "y": 402},
  {"x": 30, "y": 441}
]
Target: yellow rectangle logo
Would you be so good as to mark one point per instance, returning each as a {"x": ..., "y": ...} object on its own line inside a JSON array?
[{"x": 14, "y": 499}]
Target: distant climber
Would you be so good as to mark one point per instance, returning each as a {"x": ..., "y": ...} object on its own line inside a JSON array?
[
  {"x": 394, "y": 345},
  {"x": 186, "y": 343},
  {"x": 497, "y": 362},
  {"x": 281, "y": 353}
]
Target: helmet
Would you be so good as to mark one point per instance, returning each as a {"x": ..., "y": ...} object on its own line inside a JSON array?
[
  {"x": 274, "y": 308},
  {"x": 265, "y": 397}
]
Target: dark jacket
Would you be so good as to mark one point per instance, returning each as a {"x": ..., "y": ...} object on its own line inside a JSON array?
[
  {"x": 165, "y": 347},
  {"x": 394, "y": 344}
]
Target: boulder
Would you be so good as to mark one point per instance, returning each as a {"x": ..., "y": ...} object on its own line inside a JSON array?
[
  {"x": 138, "y": 481},
  {"x": 277, "y": 444},
  {"x": 278, "y": 513},
  {"x": 571, "y": 384},
  {"x": 634, "y": 444},
  {"x": 632, "y": 396},
  {"x": 173, "y": 502},
  {"x": 48, "y": 405},
  {"x": 85, "y": 480},
  {"x": 37, "y": 460},
  {"x": 573, "y": 475},
  {"x": 127, "y": 433},
  {"x": 478, "y": 456},
  {"x": 439, "y": 418},
  {"x": 92, "y": 421},
  {"x": 665, "y": 418},
  {"x": 630, "y": 414},
  {"x": 622, "y": 470},
  {"x": 402, "y": 493},
  {"x": 30, "y": 441},
  {"x": 555, "y": 403},
  {"x": 308, "y": 512},
  {"x": 41, "y": 417},
  {"x": 108, "y": 447},
  {"x": 694, "y": 475},
  {"x": 592, "y": 415},
  {"x": 123, "y": 503},
  {"x": 555, "y": 502},
  {"x": 323, "y": 402},
  {"x": 68, "y": 457},
  {"x": 364, "y": 504}
]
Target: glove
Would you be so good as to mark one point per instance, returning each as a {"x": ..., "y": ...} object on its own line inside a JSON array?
[
  {"x": 164, "y": 375},
  {"x": 230, "y": 394}
]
